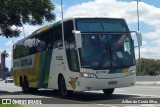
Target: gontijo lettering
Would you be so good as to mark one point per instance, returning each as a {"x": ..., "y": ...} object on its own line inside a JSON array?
[{"x": 23, "y": 62}]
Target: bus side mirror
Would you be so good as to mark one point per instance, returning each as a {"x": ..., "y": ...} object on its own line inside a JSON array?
[
  {"x": 78, "y": 39},
  {"x": 139, "y": 38}
]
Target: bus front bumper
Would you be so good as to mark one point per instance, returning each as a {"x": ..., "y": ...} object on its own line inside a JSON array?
[{"x": 88, "y": 84}]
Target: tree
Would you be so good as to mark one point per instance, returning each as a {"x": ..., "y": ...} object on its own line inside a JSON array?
[
  {"x": 19, "y": 12},
  {"x": 149, "y": 67}
]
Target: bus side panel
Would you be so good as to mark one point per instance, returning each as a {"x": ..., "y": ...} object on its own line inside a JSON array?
[
  {"x": 38, "y": 74},
  {"x": 41, "y": 69},
  {"x": 44, "y": 68},
  {"x": 32, "y": 74},
  {"x": 30, "y": 71},
  {"x": 16, "y": 77},
  {"x": 36, "y": 70},
  {"x": 57, "y": 67}
]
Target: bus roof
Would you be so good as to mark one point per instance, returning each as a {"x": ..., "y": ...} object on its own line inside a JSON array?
[{"x": 47, "y": 27}]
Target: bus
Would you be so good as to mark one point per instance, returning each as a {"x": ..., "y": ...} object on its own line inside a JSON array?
[{"x": 77, "y": 54}]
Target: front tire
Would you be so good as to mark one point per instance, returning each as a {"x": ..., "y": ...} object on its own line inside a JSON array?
[
  {"x": 63, "y": 90},
  {"x": 108, "y": 91}
]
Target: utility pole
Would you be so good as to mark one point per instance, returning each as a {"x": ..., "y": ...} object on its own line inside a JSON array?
[
  {"x": 138, "y": 30},
  {"x": 138, "y": 13},
  {"x": 23, "y": 31},
  {"x": 62, "y": 8},
  {"x": 62, "y": 22}
]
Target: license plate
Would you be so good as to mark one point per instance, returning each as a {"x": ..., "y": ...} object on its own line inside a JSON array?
[{"x": 112, "y": 82}]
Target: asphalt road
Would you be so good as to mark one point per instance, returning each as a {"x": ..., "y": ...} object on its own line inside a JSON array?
[{"x": 92, "y": 98}]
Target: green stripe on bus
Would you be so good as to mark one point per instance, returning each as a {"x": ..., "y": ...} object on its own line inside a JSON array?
[
  {"x": 41, "y": 68},
  {"x": 44, "y": 68}
]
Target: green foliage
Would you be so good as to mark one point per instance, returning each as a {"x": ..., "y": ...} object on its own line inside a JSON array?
[
  {"x": 148, "y": 67},
  {"x": 17, "y": 12},
  {"x": 10, "y": 105}
]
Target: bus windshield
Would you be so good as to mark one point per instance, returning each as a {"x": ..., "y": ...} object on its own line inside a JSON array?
[
  {"x": 105, "y": 44},
  {"x": 101, "y": 51}
]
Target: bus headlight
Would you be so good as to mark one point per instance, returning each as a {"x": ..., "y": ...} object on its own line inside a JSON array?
[
  {"x": 88, "y": 75},
  {"x": 131, "y": 72}
]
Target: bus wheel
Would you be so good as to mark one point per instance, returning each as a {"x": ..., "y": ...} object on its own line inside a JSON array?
[
  {"x": 25, "y": 86},
  {"x": 108, "y": 91},
  {"x": 63, "y": 90}
]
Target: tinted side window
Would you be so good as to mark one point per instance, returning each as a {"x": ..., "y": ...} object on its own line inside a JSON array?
[
  {"x": 49, "y": 41},
  {"x": 70, "y": 44},
  {"x": 17, "y": 51},
  {"x": 29, "y": 46},
  {"x": 57, "y": 33},
  {"x": 44, "y": 41},
  {"x": 41, "y": 42}
]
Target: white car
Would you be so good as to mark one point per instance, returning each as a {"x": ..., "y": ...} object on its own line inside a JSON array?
[{"x": 9, "y": 80}]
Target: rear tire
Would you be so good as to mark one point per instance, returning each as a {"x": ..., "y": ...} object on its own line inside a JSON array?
[
  {"x": 63, "y": 90},
  {"x": 26, "y": 89},
  {"x": 25, "y": 86},
  {"x": 108, "y": 91}
]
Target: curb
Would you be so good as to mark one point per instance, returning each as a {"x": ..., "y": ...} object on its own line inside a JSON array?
[{"x": 149, "y": 83}]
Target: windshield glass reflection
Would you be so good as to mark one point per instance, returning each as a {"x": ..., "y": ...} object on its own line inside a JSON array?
[{"x": 101, "y": 51}]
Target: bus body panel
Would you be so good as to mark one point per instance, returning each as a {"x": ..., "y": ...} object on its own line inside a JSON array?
[
  {"x": 43, "y": 68},
  {"x": 88, "y": 84},
  {"x": 125, "y": 79},
  {"x": 38, "y": 73},
  {"x": 59, "y": 66},
  {"x": 110, "y": 73},
  {"x": 111, "y": 80},
  {"x": 24, "y": 67},
  {"x": 56, "y": 67}
]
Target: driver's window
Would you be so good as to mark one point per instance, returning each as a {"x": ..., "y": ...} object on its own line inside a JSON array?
[
  {"x": 71, "y": 52},
  {"x": 127, "y": 47}
]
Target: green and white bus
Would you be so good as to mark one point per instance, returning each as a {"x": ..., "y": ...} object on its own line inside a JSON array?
[{"x": 77, "y": 54}]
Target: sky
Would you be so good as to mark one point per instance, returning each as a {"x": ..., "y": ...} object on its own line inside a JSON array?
[{"x": 149, "y": 14}]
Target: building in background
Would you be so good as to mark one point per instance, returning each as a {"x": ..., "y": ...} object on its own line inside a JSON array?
[{"x": 3, "y": 68}]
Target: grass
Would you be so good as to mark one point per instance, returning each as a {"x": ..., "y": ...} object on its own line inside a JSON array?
[{"x": 10, "y": 105}]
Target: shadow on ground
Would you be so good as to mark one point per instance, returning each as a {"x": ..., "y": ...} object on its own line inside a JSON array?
[
  {"x": 86, "y": 97},
  {"x": 76, "y": 98},
  {"x": 10, "y": 93}
]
